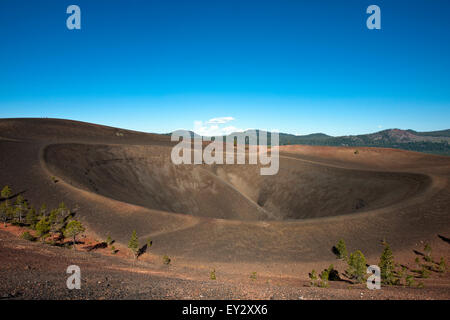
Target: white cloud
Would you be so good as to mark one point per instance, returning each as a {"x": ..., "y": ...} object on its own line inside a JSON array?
[
  {"x": 220, "y": 120},
  {"x": 212, "y": 127}
]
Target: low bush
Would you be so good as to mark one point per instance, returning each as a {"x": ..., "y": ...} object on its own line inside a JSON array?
[
  {"x": 442, "y": 266},
  {"x": 424, "y": 272},
  {"x": 313, "y": 278},
  {"x": 410, "y": 281},
  {"x": 323, "y": 283},
  {"x": 28, "y": 236},
  {"x": 166, "y": 260},
  {"x": 357, "y": 266},
  {"x": 427, "y": 250},
  {"x": 387, "y": 265},
  {"x": 341, "y": 250}
]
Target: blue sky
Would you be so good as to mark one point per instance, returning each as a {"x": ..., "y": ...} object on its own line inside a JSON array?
[{"x": 295, "y": 66}]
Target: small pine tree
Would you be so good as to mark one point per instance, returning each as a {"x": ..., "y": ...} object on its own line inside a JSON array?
[
  {"x": 64, "y": 211},
  {"x": 21, "y": 207},
  {"x": 166, "y": 260},
  {"x": 442, "y": 265},
  {"x": 400, "y": 273},
  {"x": 424, "y": 272},
  {"x": 6, "y": 192},
  {"x": 427, "y": 250},
  {"x": 313, "y": 278},
  {"x": 410, "y": 280},
  {"x": 212, "y": 274},
  {"x": 149, "y": 244},
  {"x": 417, "y": 261},
  {"x": 133, "y": 244},
  {"x": 43, "y": 210},
  {"x": 43, "y": 228},
  {"x": 27, "y": 236},
  {"x": 403, "y": 270},
  {"x": 341, "y": 249},
  {"x": 31, "y": 218},
  {"x": 357, "y": 266},
  {"x": 108, "y": 241},
  {"x": 387, "y": 265},
  {"x": 10, "y": 212},
  {"x": 52, "y": 217},
  {"x": 4, "y": 213},
  {"x": 324, "y": 278},
  {"x": 5, "y": 210},
  {"x": 58, "y": 217},
  {"x": 73, "y": 229}
]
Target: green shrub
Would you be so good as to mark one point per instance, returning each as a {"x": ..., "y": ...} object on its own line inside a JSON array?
[
  {"x": 442, "y": 266},
  {"x": 133, "y": 244},
  {"x": 424, "y": 272},
  {"x": 323, "y": 283},
  {"x": 357, "y": 266},
  {"x": 402, "y": 271},
  {"x": 387, "y": 265},
  {"x": 27, "y": 236},
  {"x": 113, "y": 250},
  {"x": 166, "y": 260},
  {"x": 410, "y": 280},
  {"x": 32, "y": 218},
  {"x": 20, "y": 209},
  {"x": 43, "y": 227},
  {"x": 108, "y": 241},
  {"x": 6, "y": 192},
  {"x": 73, "y": 229},
  {"x": 4, "y": 212},
  {"x": 253, "y": 275},
  {"x": 58, "y": 218},
  {"x": 212, "y": 274},
  {"x": 417, "y": 262},
  {"x": 43, "y": 210},
  {"x": 313, "y": 278},
  {"x": 427, "y": 250},
  {"x": 341, "y": 249}
]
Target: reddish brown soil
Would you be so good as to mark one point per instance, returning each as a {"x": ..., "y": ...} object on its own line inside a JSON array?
[{"x": 33, "y": 270}]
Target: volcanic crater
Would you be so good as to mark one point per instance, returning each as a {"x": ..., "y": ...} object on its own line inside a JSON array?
[{"x": 145, "y": 176}]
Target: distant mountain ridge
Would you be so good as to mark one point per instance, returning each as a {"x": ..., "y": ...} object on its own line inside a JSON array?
[{"x": 435, "y": 142}]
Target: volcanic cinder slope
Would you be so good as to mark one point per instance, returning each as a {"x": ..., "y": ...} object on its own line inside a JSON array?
[{"x": 230, "y": 215}]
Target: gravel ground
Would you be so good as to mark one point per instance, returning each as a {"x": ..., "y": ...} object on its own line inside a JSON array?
[{"x": 31, "y": 270}]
